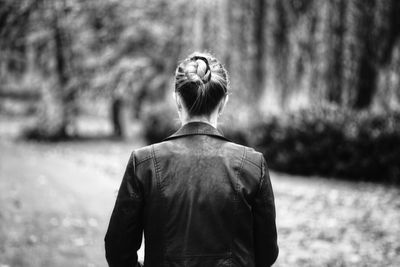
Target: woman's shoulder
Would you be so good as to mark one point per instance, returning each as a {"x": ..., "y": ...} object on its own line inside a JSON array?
[
  {"x": 245, "y": 153},
  {"x": 249, "y": 154},
  {"x": 142, "y": 154},
  {"x": 145, "y": 153}
]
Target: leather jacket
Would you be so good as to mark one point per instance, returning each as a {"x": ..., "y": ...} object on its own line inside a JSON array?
[{"x": 200, "y": 200}]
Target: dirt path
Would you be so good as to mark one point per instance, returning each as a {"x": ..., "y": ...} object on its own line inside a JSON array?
[{"x": 70, "y": 197}]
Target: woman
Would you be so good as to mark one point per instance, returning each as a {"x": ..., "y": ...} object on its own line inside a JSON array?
[{"x": 200, "y": 199}]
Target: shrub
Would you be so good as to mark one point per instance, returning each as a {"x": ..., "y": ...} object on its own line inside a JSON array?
[
  {"x": 333, "y": 141},
  {"x": 159, "y": 120},
  {"x": 162, "y": 120}
]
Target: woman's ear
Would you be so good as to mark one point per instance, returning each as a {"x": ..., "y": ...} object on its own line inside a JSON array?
[
  {"x": 222, "y": 104},
  {"x": 177, "y": 101}
]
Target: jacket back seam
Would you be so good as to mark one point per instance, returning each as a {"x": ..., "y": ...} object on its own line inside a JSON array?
[
  {"x": 236, "y": 200},
  {"x": 159, "y": 195}
]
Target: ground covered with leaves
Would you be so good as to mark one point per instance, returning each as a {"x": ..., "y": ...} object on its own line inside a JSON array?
[{"x": 56, "y": 199}]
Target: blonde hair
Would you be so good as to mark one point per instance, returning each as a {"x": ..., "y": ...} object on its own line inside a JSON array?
[{"x": 202, "y": 82}]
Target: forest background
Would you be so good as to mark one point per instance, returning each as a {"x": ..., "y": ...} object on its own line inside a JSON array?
[
  {"x": 309, "y": 77},
  {"x": 334, "y": 65},
  {"x": 314, "y": 84}
]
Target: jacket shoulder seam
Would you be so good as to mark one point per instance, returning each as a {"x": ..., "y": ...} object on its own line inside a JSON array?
[
  {"x": 259, "y": 165},
  {"x": 252, "y": 162},
  {"x": 238, "y": 172},
  {"x": 143, "y": 160}
]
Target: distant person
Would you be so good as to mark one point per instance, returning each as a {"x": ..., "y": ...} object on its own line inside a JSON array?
[{"x": 200, "y": 199}]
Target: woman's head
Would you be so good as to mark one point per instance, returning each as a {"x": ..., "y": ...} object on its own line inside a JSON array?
[{"x": 202, "y": 83}]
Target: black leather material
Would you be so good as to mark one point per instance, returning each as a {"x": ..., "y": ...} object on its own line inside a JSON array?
[{"x": 200, "y": 200}]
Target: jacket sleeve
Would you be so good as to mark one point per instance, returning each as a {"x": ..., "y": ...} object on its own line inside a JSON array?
[
  {"x": 265, "y": 234},
  {"x": 124, "y": 234}
]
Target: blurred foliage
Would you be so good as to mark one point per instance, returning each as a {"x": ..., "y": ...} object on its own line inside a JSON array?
[
  {"x": 65, "y": 50},
  {"x": 333, "y": 141},
  {"x": 283, "y": 56},
  {"x": 159, "y": 122}
]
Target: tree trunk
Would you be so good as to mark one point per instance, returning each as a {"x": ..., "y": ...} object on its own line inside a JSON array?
[
  {"x": 52, "y": 117},
  {"x": 259, "y": 39},
  {"x": 367, "y": 82},
  {"x": 117, "y": 107},
  {"x": 281, "y": 49},
  {"x": 198, "y": 28},
  {"x": 62, "y": 77},
  {"x": 334, "y": 75},
  {"x": 367, "y": 71},
  {"x": 227, "y": 20}
]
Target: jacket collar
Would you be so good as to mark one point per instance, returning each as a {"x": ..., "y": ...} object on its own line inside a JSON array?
[{"x": 197, "y": 127}]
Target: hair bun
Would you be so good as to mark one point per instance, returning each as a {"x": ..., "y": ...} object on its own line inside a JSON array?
[
  {"x": 202, "y": 82},
  {"x": 191, "y": 69},
  {"x": 203, "y": 68}
]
